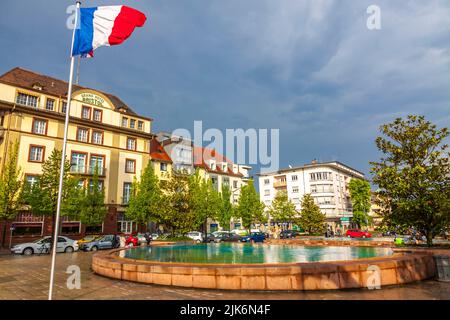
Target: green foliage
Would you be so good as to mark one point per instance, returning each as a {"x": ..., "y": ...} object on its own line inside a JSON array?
[
  {"x": 226, "y": 211},
  {"x": 360, "y": 196},
  {"x": 249, "y": 208},
  {"x": 92, "y": 209},
  {"x": 146, "y": 197},
  {"x": 282, "y": 209},
  {"x": 413, "y": 175},
  {"x": 176, "y": 213},
  {"x": 42, "y": 197},
  {"x": 205, "y": 201},
  {"x": 311, "y": 219},
  {"x": 10, "y": 188}
]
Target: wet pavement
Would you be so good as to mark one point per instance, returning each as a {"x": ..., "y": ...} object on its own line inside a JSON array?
[{"x": 24, "y": 277}]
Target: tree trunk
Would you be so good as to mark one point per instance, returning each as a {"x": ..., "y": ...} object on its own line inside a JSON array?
[
  {"x": 4, "y": 234},
  {"x": 429, "y": 236}
]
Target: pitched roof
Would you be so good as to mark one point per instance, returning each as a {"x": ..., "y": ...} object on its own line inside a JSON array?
[
  {"x": 28, "y": 79},
  {"x": 157, "y": 152},
  {"x": 203, "y": 155}
]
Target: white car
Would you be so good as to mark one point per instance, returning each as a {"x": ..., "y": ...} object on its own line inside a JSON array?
[
  {"x": 196, "y": 236},
  {"x": 43, "y": 246}
]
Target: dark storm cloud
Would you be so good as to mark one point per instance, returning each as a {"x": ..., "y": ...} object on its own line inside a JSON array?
[{"x": 310, "y": 68}]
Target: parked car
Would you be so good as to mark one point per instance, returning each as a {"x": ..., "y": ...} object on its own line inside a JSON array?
[
  {"x": 356, "y": 233},
  {"x": 196, "y": 236},
  {"x": 109, "y": 241},
  {"x": 254, "y": 237},
  {"x": 230, "y": 237},
  {"x": 217, "y": 237},
  {"x": 43, "y": 246},
  {"x": 288, "y": 234},
  {"x": 88, "y": 238},
  {"x": 154, "y": 236},
  {"x": 131, "y": 240}
]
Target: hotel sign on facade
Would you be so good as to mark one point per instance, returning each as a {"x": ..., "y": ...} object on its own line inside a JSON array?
[{"x": 92, "y": 99}]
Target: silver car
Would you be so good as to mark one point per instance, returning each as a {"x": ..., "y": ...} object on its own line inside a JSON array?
[{"x": 43, "y": 246}]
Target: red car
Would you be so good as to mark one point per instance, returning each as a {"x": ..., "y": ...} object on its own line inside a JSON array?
[
  {"x": 131, "y": 239},
  {"x": 355, "y": 233}
]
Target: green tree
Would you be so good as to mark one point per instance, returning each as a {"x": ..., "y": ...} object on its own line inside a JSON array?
[
  {"x": 205, "y": 201},
  {"x": 360, "y": 196},
  {"x": 92, "y": 209},
  {"x": 282, "y": 209},
  {"x": 311, "y": 218},
  {"x": 176, "y": 213},
  {"x": 10, "y": 188},
  {"x": 414, "y": 175},
  {"x": 226, "y": 211},
  {"x": 146, "y": 197},
  {"x": 249, "y": 209},
  {"x": 42, "y": 197}
]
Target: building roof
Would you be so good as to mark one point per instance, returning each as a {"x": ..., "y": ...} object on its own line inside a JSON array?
[
  {"x": 27, "y": 79},
  {"x": 203, "y": 155},
  {"x": 335, "y": 164},
  {"x": 157, "y": 152}
]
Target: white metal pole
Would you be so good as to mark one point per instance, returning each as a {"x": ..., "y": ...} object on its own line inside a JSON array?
[{"x": 63, "y": 158}]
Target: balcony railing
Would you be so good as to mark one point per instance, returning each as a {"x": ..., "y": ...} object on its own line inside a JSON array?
[
  {"x": 330, "y": 190},
  {"x": 280, "y": 184},
  {"x": 89, "y": 170}
]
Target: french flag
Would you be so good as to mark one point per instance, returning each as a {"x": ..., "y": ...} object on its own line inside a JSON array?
[{"x": 104, "y": 26}]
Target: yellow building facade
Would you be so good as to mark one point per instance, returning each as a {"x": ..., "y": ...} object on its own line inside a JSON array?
[{"x": 103, "y": 132}]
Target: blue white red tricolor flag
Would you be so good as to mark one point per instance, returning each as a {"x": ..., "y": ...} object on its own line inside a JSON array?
[{"x": 104, "y": 26}]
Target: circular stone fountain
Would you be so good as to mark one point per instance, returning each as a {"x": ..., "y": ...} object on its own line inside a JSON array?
[{"x": 264, "y": 266}]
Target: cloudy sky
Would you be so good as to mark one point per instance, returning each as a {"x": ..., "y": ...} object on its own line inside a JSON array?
[{"x": 308, "y": 67}]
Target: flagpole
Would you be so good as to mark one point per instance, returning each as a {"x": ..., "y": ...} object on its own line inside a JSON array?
[{"x": 63, "y": 158}]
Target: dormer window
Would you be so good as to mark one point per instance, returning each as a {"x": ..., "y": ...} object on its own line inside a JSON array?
[
  {"x": 212, "y": 165},
  {"x": 37, "y": 86}
]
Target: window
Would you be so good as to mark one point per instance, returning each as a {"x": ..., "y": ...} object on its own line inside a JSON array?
[
  {"x": 163, "y": 166},
  {"x": 30, "y": 229},
  {"x": 97, "y": 137},
  {"x": 27, "y": 100},
  {"x": 140, "y": 125},
  {"x": 31, "y": 180},
  {"x": 124, "y": 122},
  {"x": 83, "y": 134},
  {"x": 78, "y": 162},
  {"x": 267, "y": 192},
  {"x": 235, "y": 184},
  {"x": 132, "y": 123},
  {"x": 86, "y": 113},
  {"x": 294, "y": 178},
  {"x": 36, "y": 153},
  {"x": 96, "y": 161},
  {"x": 97, "y": 115},
  {"x": 64, "y": 107},
  {"x": 266, "y": 181},
  {"x": 320, "y": 176},
  {"x": 226, "y": 182},
  {"x": 94, "y": 229},
  {"x": 131, "y": 143},
  {"x": 100, "y": 185},
  {"x": 130, "y": 166},
  {"x": 212, "y": 166},
  {"x": 50, "y": 104},
  {"x": 69, "y": 228},
  {"x": 39, "y": 126},
  {"x": 126, "y": 192},
  {"x": 294, "y": 189}
]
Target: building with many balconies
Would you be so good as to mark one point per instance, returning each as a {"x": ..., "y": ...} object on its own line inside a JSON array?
[{"x": 326, "y": 182}]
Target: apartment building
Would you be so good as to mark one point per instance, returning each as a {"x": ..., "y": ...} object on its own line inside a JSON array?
[
  {"x": 103, "y": 132},
  {"x": 327, "y": 183},
  {"x": 211, "y": 165}
]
